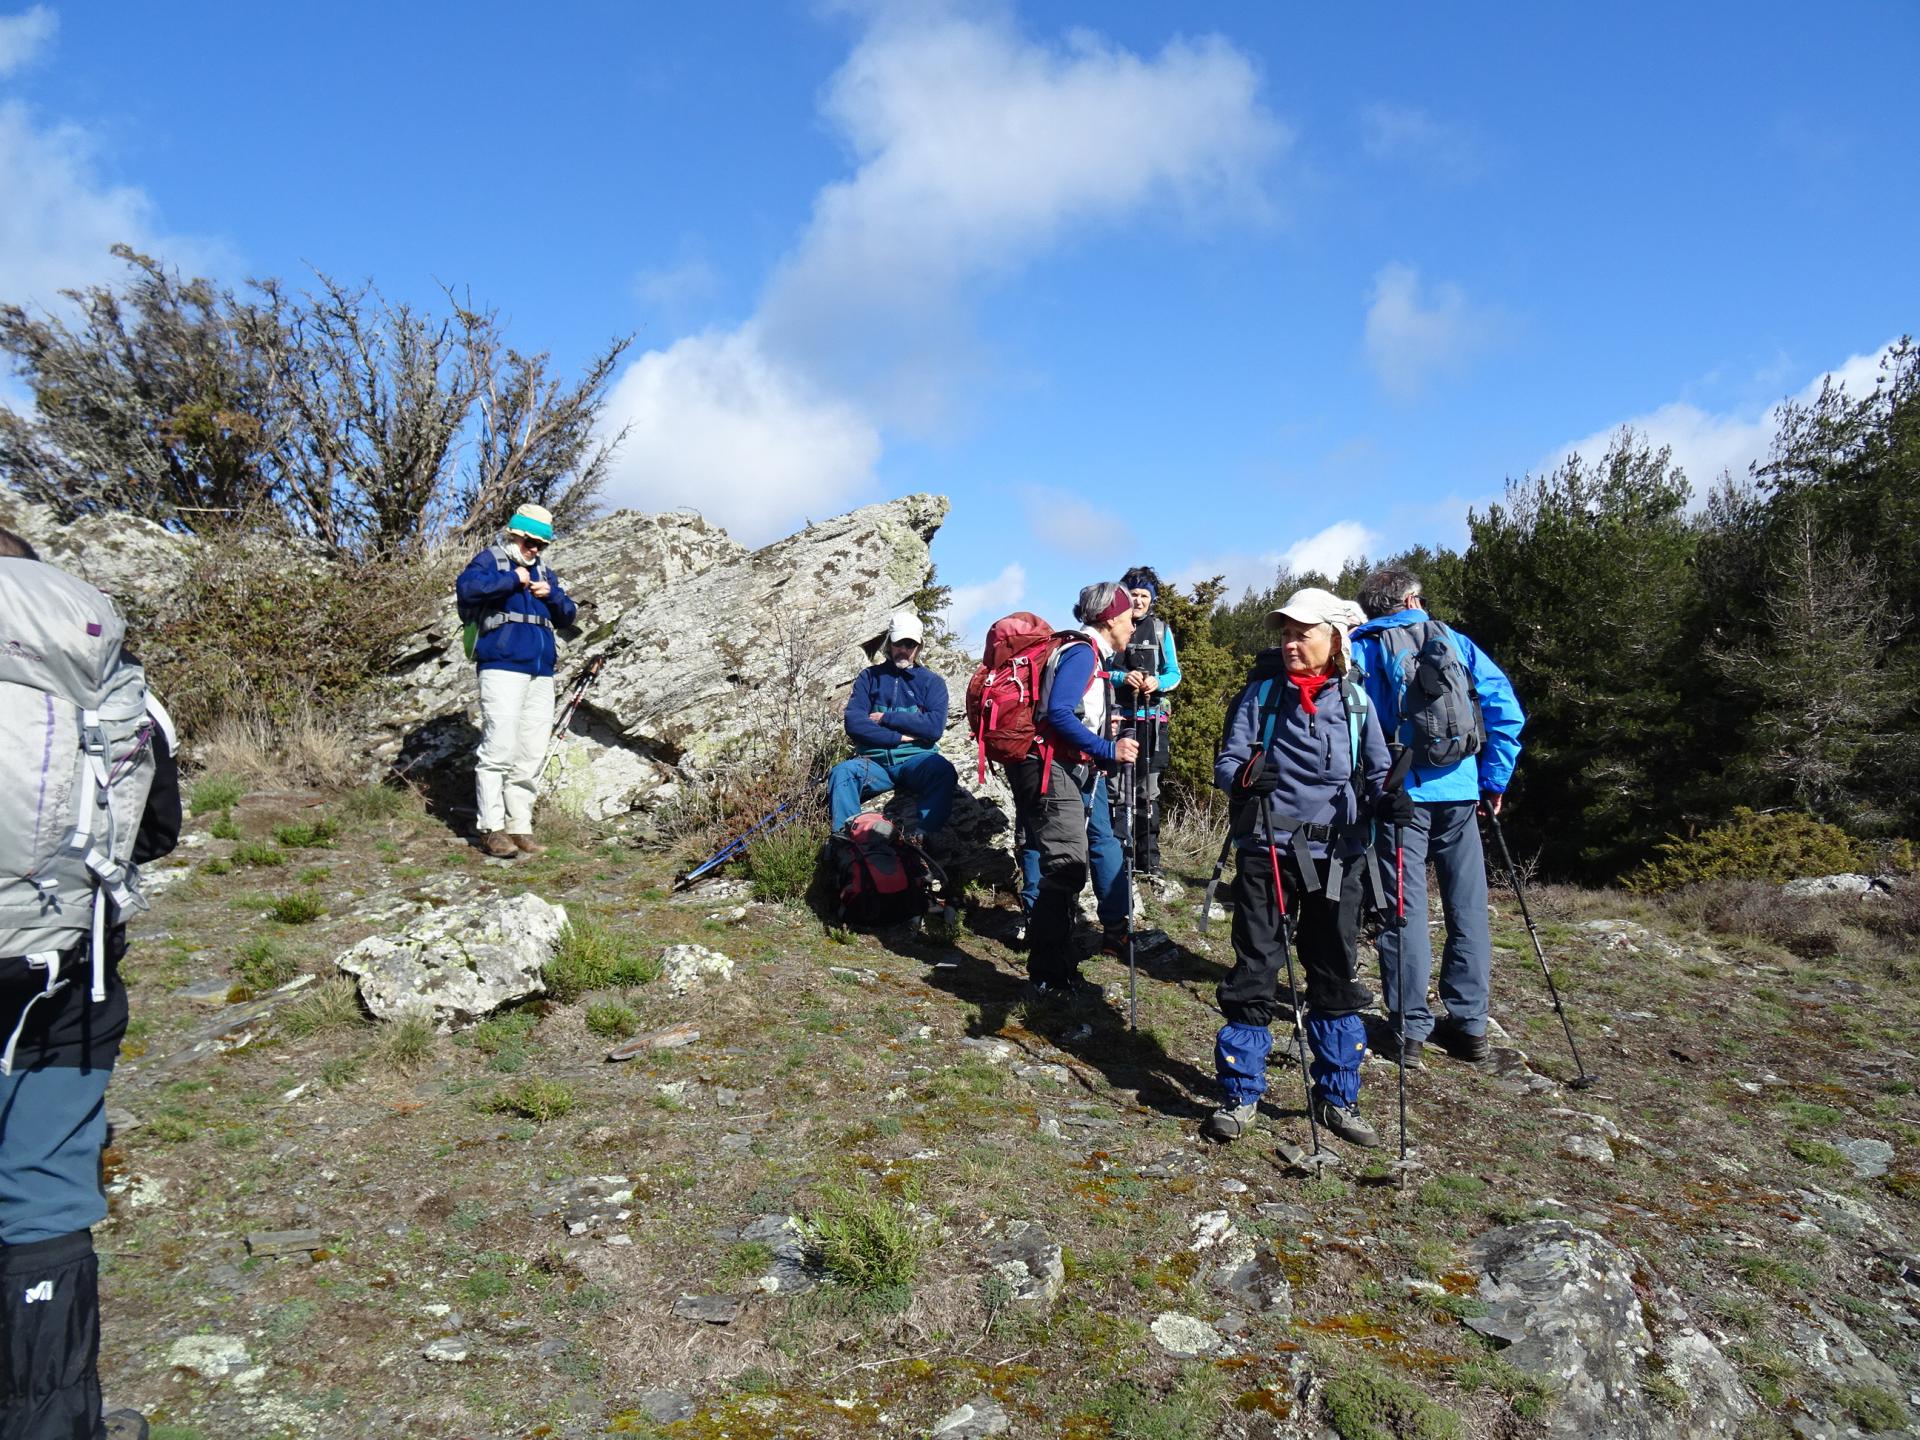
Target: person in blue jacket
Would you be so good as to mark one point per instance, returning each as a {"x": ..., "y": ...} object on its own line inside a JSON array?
[
  {"x": 1147, "y": 670},
  {"x": 1054, "y": 786},
  {"x": 895, "y": 718},
  {"x": 511, "y": 602},
  {"x": 1444, "y": 831},
  {"x": 1304, "y": 764}
]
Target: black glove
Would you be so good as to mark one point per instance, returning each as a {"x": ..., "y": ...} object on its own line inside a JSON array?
[
  {"x": 1256, "y": 777},
  {"x": 1395, "y": 807}
]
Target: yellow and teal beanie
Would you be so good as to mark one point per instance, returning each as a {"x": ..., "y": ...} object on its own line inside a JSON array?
[{"x": 534, "y": 520}]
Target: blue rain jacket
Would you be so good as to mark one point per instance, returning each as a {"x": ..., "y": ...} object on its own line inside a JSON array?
[{"x": 1492, "y": 769}]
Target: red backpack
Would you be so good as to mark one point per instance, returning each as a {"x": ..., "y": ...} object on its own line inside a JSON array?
[
  {"x": 1003, "y": 691},
  {"x": 877, "y": 879}
]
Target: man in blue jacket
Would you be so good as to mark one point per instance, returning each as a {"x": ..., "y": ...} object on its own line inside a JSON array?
[
  {"x": 1304, "y": 764},
  {"x": 1437, "y": 691},
  {"x": 895, "y": 718},
  {"x": 511, "y": 603}
]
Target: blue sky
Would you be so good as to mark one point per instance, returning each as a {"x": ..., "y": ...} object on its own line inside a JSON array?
[{"x": 1203, "y": 287}]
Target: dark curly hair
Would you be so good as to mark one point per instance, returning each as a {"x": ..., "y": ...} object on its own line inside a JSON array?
[{"x": 1142, "y": 577}]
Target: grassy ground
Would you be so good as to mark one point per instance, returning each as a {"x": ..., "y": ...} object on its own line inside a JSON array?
[{"x": 903, "y": 1104}]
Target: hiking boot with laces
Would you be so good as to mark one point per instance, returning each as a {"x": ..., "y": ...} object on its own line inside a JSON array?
[
  {"x": 1229, "y": 1122},
  {"x": 1346, "y": 1122},
  {"x": 1390, "y": 1047},
  {"x": 499, "y": 845},
  {"x": 524, "y": 844},
  {"x": 1113, "y": 941},
  {"x": 1453, "y": 1037}
]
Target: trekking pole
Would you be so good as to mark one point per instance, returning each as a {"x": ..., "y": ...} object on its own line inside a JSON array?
[
  {"x": 1397, "y": 777},
  {"x": 766, "y": 825},
  {"x": 588, "y": 674},
  {"x": 1584, "y": 1080},
  {"x": 1219, "y": 867},
  {"x": 1286, "y": 949},
  {"x": 1129, "y": 795}
]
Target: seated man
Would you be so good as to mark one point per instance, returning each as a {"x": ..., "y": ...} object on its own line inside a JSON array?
[{"x": 895, "y": 717}]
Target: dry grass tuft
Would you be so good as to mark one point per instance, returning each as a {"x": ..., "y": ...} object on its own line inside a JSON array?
[{"x": 312, "y": 750}]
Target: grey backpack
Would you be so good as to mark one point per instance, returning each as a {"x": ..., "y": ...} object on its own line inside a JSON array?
[
  {"x": 1440, "y": 719},
  {"x": 76, "y": 763}
]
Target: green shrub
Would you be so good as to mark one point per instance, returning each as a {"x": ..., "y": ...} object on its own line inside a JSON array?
[
  {"x": 308, "y": 835},
  {"x": 217, "y": 866},
  {"x": 504, "y": 1039},
  {"x": 532, "y": 1099},
  {"x": 612, "y": 1019},
  {"x": 261, "y": 966},
  {"x": 408, "y": 1044},
  {"x": 1777, "y": 847},
  {"x": 300, "y": 908},
  {"x": 215, "y": 792},
  {"x": 595, "y": 956},
  {"x": 376, "y": 802},
  {"x": 258, "y": 853},
  {"x": 866, "y": 1240},
  {"x": 783, "y": 865},
  {"x": 314, "y": 875},
  {"x": 1364, "y": 1402},
  {"x": 331, "y": 1005},
  {"x": 224, "y": 828}
]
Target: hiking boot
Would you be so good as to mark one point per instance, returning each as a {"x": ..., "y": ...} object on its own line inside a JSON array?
[
  {"x": 499, "y": 845},
  {"x": 1229, "y": 1122},
  {"x": 1113, "y": 941},
  {"x": 124, "y": 1425},
  {"x": 1071, "y": 990},
  {"x": 1018, "y": 936},
  {"x": 524, "y": 844},
  {"x": 1389, "y": 1047},
  {"x": 1346, "y": 1122},
  {"x": 1451, "y": 1036}
]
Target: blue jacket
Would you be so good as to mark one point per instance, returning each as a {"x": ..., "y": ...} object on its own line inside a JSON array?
[
  {"x": 1314, "y": 753},
  {"x": 913, "y": 712},
  {"x": 487, "y": 589},
  {"x": 1169, "y": 673},
  {"x": 1492, "y": 769},
  {"x": 1073, "y": 675}
]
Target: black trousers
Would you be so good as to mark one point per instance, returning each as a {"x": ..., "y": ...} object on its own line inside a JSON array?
[
  {"x": 1056, "y": 824},
  {"x": 50, "y": 1339},
  {"x": 1326, "y": 932}
]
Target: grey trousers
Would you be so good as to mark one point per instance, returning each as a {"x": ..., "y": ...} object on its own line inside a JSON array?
[{"x": 1447, "y": 835}]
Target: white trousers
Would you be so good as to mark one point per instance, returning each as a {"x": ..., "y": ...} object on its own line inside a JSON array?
[{"x": 516, "y": 718}]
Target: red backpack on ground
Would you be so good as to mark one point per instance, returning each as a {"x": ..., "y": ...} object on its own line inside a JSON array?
[
  {"x": 879, "y": 881},
  {"x": 1003, "y": 691}
]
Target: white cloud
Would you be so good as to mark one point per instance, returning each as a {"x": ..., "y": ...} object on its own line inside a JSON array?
[
  {"x": 1412, "y": 338},
  {"x": 24, "y": 36},
  {"x": 719, "y": 427},
  {"x": 975, "y": 149},
  {"x": 1407, "y": 134},
  {"x": 972, "y": 608},
  {"x": 1708, "y": 444},
  {"x": 1067, "y": 524},
  {"x": 1325, "y": 551},
  {"x": 675, "y": 288}
]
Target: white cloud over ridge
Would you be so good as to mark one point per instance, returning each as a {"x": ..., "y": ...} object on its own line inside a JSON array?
[
  {"x": 1324, "y": 551},
  {"x": 975, "y": 149},
  {"x": 1709, "y": 444},
  {"x": 1413, "y": 338},
  {"x": 24, "y": 36}
]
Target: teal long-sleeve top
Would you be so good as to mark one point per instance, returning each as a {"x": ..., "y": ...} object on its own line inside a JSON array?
[{"x": 1168, "y": 675}]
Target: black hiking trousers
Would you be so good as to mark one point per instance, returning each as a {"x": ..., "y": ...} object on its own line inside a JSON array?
[
  {"x": 1326, "y": 932},
  {"x": 1055, "y": 824}
]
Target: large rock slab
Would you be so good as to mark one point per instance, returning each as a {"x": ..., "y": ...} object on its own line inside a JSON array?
[
  {"x": 706, "y": 643},
  {"x": 137, "y": 561},
  {"x": 1563, "y": 1301},
  {"x": 457, "y": 965}
]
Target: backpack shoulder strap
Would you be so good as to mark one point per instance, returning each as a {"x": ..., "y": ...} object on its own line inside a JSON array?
[
  {"x": 1267, "y": 700},
  {"x": 1355, "y": 696}
]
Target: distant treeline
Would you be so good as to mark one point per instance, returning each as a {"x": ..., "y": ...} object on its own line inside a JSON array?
[{"x": 1674, "y": 662}]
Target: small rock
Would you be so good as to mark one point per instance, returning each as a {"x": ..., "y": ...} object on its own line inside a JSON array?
[
  {"x": 1231, "y": 1186},
  {"x": 207, "y": 992},
  {"x": 690, "y": 967},
  {"x": 673, "y": 1089},
  {"x": 1168, "y": 1166},
  {"x": 1830, "y": 885},
  {"x": 1183, "y": 1336},
  {"x": 729, "y": 917},
  {"x": 852, "y": 976},
  {"x": 1210, "y": 1229},
  {"x": 449, "y": 1350},
  {"x": 283, "y": 1242},
  {"x": 735, "y": 1142},
  {"x": 211, "y": 1357},
  {"x": 1044, "y": 1074},
  {"x": 981, "y": 1416},
  {"x": 1591, "y": 1148},
  {"x": 712, "y": 1309},
  {"x": 1869, "y": 1158},
  {"x": 994, "y": 1052},
  {"x": 663, "y": 1407},
  {"x": 1030, "y": 1262}
]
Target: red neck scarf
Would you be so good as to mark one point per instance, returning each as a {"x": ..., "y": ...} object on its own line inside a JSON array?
[{"x": 1309, "y": 687}]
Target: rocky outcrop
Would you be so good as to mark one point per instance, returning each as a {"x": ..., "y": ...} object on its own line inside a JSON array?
[
  {"x": 1564, "y": 1302},
  {"x": 706, "y": 644},
  {"x": 139, "y": 563},
  {"x": 456, "y": 965}
]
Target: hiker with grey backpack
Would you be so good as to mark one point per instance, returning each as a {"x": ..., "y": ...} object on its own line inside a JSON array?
[
  {"x": 90, "y": 793},
  {"x": 510, "y": 603},
  {"x": 1444, "y": 698}
]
